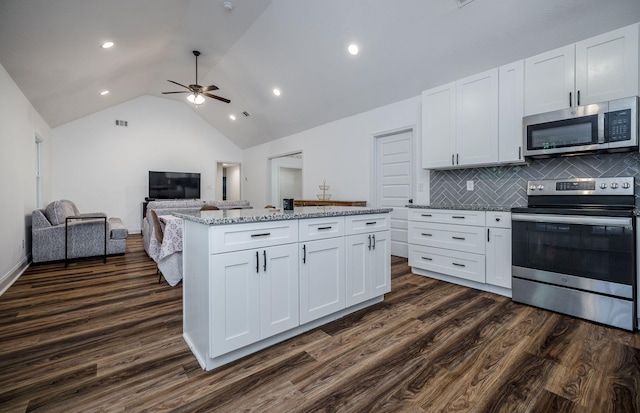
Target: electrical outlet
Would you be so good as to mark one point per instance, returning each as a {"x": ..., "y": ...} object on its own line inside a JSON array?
[
  {"x": 469, "y": 185},
  {"x": 22, "y": 244}
]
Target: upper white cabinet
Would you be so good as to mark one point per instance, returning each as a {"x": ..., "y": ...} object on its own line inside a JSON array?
[
  {"x": 598, "y": 69},
  {"x": 439, "y": 126},
  {"x": 511, "y": 111},
  {"x": 460, "y": 122}
]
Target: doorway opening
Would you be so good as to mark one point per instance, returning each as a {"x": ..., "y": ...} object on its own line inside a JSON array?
[
  {"x": 228, "y": 186},
  {"x": 285, "y": 175}
]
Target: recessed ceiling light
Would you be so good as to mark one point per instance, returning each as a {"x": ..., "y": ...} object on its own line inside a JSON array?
[
  {"x": 276, "y": 91},
  {"x": 353, "y": 49},
  {"x": 104, "y": 92},
  {"x": 107, "y": 45},
  {"x": 232, "y": 117}
]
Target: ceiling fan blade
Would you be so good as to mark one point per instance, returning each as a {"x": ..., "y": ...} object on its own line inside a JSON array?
[
  {"x": 179, "y": 84},
  {"x": 225, "y": 100},
  {"x": 182, "y": 91},
  {"x": 208, "y": 88}
]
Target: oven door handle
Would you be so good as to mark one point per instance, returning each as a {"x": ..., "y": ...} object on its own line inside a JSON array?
[{"x": 573, "y": 219}]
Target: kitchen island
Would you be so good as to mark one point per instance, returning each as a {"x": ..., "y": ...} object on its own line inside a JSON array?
[{"x": 253, "y": 278}]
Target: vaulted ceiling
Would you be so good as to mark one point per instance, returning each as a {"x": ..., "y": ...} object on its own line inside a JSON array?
[{"x": 51, "y": 48}]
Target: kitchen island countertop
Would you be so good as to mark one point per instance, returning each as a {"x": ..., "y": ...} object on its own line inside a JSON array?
[{"x": 238, "y": 216}]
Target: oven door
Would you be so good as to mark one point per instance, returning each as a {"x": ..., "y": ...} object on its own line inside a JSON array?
[{"x": 589, "y": 253}]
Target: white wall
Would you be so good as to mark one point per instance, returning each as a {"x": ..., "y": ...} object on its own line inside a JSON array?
[
  {"x": 19, "y": 125},
  {"x": 339, "y": 152},
  {"x": 104, "y": 167}
]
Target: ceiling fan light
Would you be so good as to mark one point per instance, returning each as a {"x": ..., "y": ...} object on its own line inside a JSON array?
[{"x": 196, "y": 99}]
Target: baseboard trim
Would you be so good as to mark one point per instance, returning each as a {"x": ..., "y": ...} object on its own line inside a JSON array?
[{"x": 9, "y": 278}]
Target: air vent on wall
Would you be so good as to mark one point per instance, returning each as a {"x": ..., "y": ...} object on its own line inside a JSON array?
[
  {"x": 122, "y": 123},
  {"x": 463, "y": 2},
  {"x": 245, "y": 113}
]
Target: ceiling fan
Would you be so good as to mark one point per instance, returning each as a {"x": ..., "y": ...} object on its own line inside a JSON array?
[{"x": 196, "y": 92}]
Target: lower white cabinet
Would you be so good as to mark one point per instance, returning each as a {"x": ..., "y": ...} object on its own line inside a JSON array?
[
  {"x": 248, "y": 286},
  {"x": 368, "y": 266},
  {"x": 468, "y": 245},
  {"x": 499, "y": 249},
  {"x": 254, "y": 295},
  {"x": 322, "y": 278}
]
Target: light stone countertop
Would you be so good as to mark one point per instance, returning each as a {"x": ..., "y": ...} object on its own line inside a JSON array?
[
  {"x": 238, "y": 216},
  {"x": 471, "y": 207}
]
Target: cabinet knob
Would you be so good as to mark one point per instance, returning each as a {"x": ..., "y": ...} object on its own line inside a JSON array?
[{"x": 497, "y": 219}]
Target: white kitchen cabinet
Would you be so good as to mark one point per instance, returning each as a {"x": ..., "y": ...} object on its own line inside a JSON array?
[
  {"x": 368, "y": 258},
  {"x": 254, "y": 295},
  {"x": 439, "y": 127},
  {"x": 598, "y": 69},
  {"x": 460, "y": 122},
  {"x": 510, "y": 112},
  {"x": 322, "y": 278},
  {"x": 450, "y": 242},
  {"x": 498, "y": 252},
  {"x": 322, "y": 267}
]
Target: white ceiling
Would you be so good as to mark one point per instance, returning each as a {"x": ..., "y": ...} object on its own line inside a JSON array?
[{"x": 51, "y": 48}]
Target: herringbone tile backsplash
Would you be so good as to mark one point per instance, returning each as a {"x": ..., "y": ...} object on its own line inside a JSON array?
[{"x": 506, "y": 185}]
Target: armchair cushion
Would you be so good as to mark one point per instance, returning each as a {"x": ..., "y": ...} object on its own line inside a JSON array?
[{"x": 57, "y": 211}]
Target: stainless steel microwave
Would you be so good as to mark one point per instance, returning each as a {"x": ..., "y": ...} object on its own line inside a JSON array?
[{"x": 608, "y": 126}]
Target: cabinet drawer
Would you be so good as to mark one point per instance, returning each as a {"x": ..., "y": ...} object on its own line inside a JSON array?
[
  {"x": 236, "y": 237},
  {"x": 497, "y": 219},
  {"x": 320, "y": 228},
  {"x": 448, "y": 216},
  {"x": 454, "y": 263},
  {"x": 453, "y": 237},
  {"x": 360, "y": 224}
]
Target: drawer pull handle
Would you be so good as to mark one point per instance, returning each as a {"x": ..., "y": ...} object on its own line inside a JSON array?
[
  {"x": 426, "y": 235},
  {"x": 426, "y": 215},
  {"x": 457, "y": 216},
  {"x": 371, "y": 223},
  {"x": 459, "y": 238},
  {"x": 458, "y": 265},
  {"x": 427, "y": 258},
  {"x": 323, "y": 228},
  {"x": 264, "y": 234}
]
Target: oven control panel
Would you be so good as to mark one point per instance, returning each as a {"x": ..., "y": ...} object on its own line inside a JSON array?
[{"x": 582, "y": 186}]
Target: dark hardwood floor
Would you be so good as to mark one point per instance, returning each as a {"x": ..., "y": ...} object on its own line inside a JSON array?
[{"x": 107, "y": 337}]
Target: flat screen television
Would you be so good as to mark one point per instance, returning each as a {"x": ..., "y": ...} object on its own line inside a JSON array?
[{"x": 174, "y": 185}]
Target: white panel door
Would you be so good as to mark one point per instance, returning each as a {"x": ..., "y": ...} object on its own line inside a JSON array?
[{"x": 394, "y": 183}]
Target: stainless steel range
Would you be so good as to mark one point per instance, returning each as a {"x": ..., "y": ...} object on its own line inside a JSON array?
[{"x": 574, "y": 249}]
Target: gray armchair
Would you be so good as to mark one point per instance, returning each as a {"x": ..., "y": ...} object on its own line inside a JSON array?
[{"x": 85, "y": 236}]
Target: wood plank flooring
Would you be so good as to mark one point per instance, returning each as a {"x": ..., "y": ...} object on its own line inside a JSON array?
[{"x": 107, "y": 338}]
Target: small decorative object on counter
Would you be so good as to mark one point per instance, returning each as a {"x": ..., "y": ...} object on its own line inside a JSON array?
[
  {"x": 287, "y": 204},
  {"x": 324, "y": 195}
]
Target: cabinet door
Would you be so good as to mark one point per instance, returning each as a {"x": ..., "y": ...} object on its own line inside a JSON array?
[
  {"x": 549, "y": 79},
  {"x": 499, "y": 257},
  {"x": 358, "y": 268},
  {"x": 278, "y": 289},
  {"x": 381, "y": 263},
  {"x": 234, "y": 301},
  {"x": 322, "y": 278},
  {"x": 439, "y": 126},
  {"x": 607, "y": 66},
  {"x": 477, "y": 119},
  {"x": 510, "y": 113}
]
